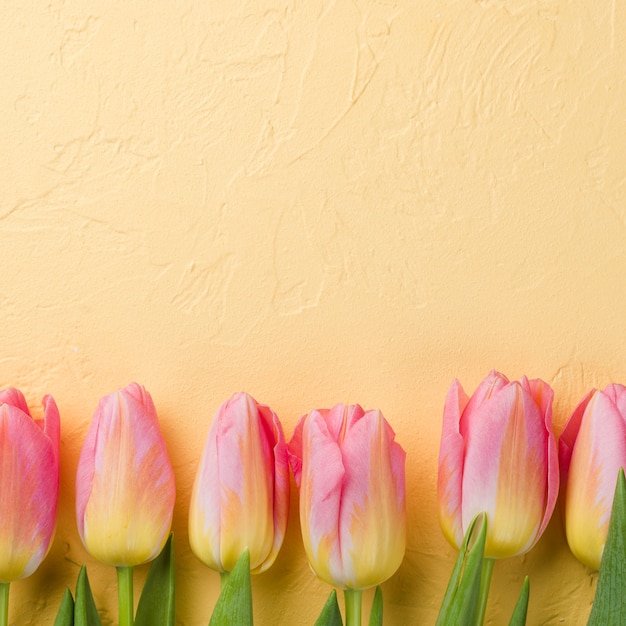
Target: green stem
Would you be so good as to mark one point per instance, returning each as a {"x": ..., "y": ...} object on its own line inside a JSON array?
[
  {"x": 223, "y": 578},
  {"x": 125, "y": 596},
  {"x": 485, "y": 582},
  {"x": 4, "y": 604},
  {"x": 352, "y": 598}
]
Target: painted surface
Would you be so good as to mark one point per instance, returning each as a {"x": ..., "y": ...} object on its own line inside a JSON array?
[{"x": 315, "y": 202}]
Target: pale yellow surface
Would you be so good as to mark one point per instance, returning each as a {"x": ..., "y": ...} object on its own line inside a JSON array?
[{"x": 315, "y": 202}]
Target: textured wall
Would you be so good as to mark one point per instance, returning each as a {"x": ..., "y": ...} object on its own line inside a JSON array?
[{"x": 314, "y": 202}]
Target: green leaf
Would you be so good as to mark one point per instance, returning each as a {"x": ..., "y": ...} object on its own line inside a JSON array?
[
  {"x": 156, "y": 604},
  {"x": 376, "y": 613},
  {"x": 521, "y": 607},
  {"x": 609, "y": 604},
  {"x": 330, "y": 615},
  {"x": 65, "y": 616},
  {"x": 455, "y": 576},
  {"x": 460, "y": 602},
  {"x": 85, "y": 612},
  {"x": 234, "y": 605}
]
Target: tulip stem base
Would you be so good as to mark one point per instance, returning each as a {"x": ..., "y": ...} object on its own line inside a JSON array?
[
  {"x": 223, "y": 578},
  {"x": 125, "y": 596},
  {"x": 485, "y": 583},
  {"x": 4, "y": 604},
  {"x": 353, "y": 602}
]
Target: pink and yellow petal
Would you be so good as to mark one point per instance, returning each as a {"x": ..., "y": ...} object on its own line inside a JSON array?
[
  {"x": 321, "y": 498},
  {"x": 372, "y": 518},
  {"x": 205, "y": 507},
  {"x": 281, "y": 487},
  {"x": 489, "y": 387},
  {"x": 247, "y": 491},
  {"x": 568, "y": 437},
  {"x": 450, "y": 475}
]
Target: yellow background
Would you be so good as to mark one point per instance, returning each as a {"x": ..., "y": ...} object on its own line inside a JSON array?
[{"x": 315, "y": 202}]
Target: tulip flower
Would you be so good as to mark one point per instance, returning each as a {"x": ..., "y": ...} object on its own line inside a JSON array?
[
  {"x": 592, "y": 448},
  {"x": 498, "y": 456},
  {"x": 125, "y": 488},
  {"x": 240, "y": 497},
  {"x": 29, "y": 484},
  {"x": 350, "y": 473},
  {"x": 29, "y": 488}
]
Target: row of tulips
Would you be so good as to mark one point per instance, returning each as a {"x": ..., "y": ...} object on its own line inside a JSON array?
[
  {"x": 498, "y": 457},
  {"x": 346, "y": 463}
]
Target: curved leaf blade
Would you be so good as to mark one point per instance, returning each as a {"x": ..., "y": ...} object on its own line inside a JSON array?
[
  {"x": 234, "y": 605},
  {"x": 85, "y": 612},
  {"x": 330, "y": 615},
  {"x": 156, "y": 604},
  {"x": 65, "y": 616}
]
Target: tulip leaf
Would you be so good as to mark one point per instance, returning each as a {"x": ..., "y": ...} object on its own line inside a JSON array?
[
  {"x": 156, "y": 604},
  {"x": 609, "y": 604},
  {"x": 330, "y": 615},
  {"x": 85, "y": 612},
  {"x": 376, "y": 613},
  {"x": 461, "y": 600},
  {"x": 521, "y": 607},
  {"x": 65, "y": 616},
  {"x": 234, "y": 605}
]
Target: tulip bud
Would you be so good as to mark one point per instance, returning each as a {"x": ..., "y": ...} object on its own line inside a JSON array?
[
  {"x": 29, "y": 484},
  {"x": 350, "y": 472},
  {"x": 498, "y": 456},
  {"x": 240, "y": 496},
  {"x": 125, "y": 488},
  {"x": 592, "y": 448}
]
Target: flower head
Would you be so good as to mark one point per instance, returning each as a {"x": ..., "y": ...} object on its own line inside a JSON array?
[
  {"x": 350, "y": 472},
  {"x": 125, "y": 487},
  {"x": 240, "y": 496},
  {"x": 498, "y": 456},
  {"x": 592, "y": 448},
  {"x": 29, "y": 484}
]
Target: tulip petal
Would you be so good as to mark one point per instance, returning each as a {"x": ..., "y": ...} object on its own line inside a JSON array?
[
  {"x": 487, "y": 388},
  {"x": 14, "y": 397},
  {"x": 569, "y": 434},
  {"x": 617, "y": 394},
  {"x": 341, "y": 418},
  {"x": 246, "y": 488},
  {"x": 320, "y": 498},
  {"x": 372, "y": 515},
  {"x": 543, "y": 395},
  {"x": 205, "y": 507},
  {"x": 52, "y": 422},
  {"x": 280, "y": 485},
  {"x": 450, "y": 475},
  {"x": 295, "y": 450}
]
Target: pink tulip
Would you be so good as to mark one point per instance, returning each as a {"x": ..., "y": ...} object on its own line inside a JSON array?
[
  {"x": 29, "y": 484},
  {"x": 498, "y": 456},
  {"x": 592, "y": 448},
  {"x": 240, "y": 496},
  {"x": 125, "y": 488},
  {"x": 350, "y": 472}
]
